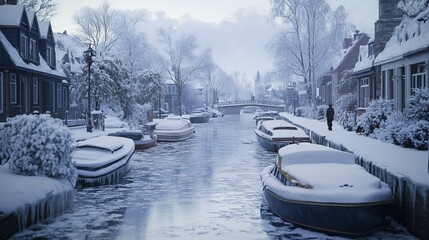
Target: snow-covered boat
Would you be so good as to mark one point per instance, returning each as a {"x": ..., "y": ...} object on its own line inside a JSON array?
[
  {"x": 322, "y": 189},
  {"x": 102, "y": 160},
  {"x": 142, "y": 141},
  {"x": 174, "y": 129},
  {"x": 199, "y": 115},
  {"x": 274, "y": 134}
]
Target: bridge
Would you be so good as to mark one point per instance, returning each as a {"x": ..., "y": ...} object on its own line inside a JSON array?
[{"x": 234, "y": 107}]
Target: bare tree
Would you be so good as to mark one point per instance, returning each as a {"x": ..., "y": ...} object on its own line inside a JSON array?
[
  {"x": 99, "y": 26},
  {"x": 180, "y": 61},
  {"x": 305, "y": 46},
  {"x": 44, "y": 9}
]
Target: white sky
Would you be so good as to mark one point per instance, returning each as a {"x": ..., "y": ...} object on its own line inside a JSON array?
[{"x": 236, "y": 30}]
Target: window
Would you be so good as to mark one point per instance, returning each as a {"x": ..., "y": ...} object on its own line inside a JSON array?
[
  {"x": 33, "y": 50},
  {"x": 1, "y": 92},
  {"x": 418, "y": 80},
  {"x": 59, "y": 98},
  {"x": 364, "y": 95},
  {"x": 23, "y": 46},
  {"x": 65, "y": 97},
  {"x": 13, "y": 88},
  {"x": 50, "y": 56},
  {"x": 35, "y": 91}
]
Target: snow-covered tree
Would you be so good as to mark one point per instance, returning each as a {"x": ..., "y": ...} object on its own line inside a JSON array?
[
  {"x": 180, "y": 60},
  {"x": 4, "y": 144},
  {"x": 418, "y": 108},
  {"x": 99, "y": 26},
  {"x": 311, "y": 37},
  {"x": 44, "y": 9},
  {"x": 41, "y": 146}
]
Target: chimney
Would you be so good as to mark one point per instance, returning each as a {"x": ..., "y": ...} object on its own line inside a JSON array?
[{"x": 356, "y": 35}]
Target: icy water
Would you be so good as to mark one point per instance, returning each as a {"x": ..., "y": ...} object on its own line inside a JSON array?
[{"x": 207, "y": 187}]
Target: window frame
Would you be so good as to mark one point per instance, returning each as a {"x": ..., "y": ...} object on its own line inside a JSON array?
[
  {"x": 13, "y": 89},
  {"x": 35, "y": 90},
  {"x": 23, "y": 46},
  {"x": 58, "y": 94},
  {"x": 33, "y": 50}
]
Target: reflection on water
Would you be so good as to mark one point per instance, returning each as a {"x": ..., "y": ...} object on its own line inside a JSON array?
[{"x": 203, "y": 188}]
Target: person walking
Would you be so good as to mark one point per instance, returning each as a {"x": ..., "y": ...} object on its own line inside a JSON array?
[{"x": 330, "y": 116}]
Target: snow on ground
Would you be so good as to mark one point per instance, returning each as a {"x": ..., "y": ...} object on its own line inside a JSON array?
[
  {"x": 18, "y": 191},
  {"x": 409, "y": 162}
]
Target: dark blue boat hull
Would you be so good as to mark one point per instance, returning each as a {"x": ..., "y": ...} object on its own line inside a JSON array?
[{"x": 348, "y": 220}]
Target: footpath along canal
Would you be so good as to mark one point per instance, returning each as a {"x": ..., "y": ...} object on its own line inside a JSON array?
[{"x": 207, "y": 187}]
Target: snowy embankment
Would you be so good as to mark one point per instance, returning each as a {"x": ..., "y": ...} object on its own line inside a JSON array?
[
  {"x": 25, "y": 200},
  {"x": 405, "y": 170}
]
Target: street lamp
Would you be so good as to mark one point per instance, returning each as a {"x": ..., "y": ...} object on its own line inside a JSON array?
[{"x": 88, "y": 54}]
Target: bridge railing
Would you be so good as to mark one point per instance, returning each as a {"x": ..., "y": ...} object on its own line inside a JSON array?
[{"x": 262, "y": 102}]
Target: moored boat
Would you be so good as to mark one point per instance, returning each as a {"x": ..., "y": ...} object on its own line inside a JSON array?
[
  {"x": 199, "y": 115},
  {"x": 141, "y": 141},
  {"x": 102, "y": 160},
  {"x": 322, "y": 189},
  {"x": 174, "y": 129},
  {"x": 274, "y": 134}
]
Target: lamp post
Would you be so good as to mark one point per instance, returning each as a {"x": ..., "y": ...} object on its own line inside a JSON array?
[{"x": 88, "y": 54}]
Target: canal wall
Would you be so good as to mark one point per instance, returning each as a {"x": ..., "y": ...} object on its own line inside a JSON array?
[
  {"x": 29, "y": 214},
  {"x": 411, "y": 200}
]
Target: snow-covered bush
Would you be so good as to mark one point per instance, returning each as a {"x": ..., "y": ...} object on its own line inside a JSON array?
[
  {"x": 415, "y": 135},
  {"x": 345, "y": 108},
  {"x": 4, "y": 144},
  {"x": 139, "y": 114},
  {"x": 348, "y": 120},
  {"x": 41, "y": 146},
  {"x": 412, "y": 7},
  {"x": 418, "y": 108},
  {"x": 376, "y": 114},
  {"x": 321, "y": 111},
  {"x": 389, "y": 129},
  {"x": 306, "y": 111}
]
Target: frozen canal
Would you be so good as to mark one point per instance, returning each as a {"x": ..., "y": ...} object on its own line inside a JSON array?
[{"x": 207, "y": 187}]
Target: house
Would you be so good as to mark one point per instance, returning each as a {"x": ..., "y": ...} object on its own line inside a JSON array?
[
  {"x": 29, "y": 78},
  {"x": 367, "y": 75},
  {"x": 404, "y": 62},
  {"x": 171, "y": 99},
  {"x": 349, "y": 55}
]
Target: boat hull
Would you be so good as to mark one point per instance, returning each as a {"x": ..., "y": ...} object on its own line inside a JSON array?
[
  {"x": 200, "y": 119},
  {"x": 174, "y": 136},
  {"x": 349, "y": 220},
  {"x": 274, "y": 146},
  {"x": 145, "y": 143}
]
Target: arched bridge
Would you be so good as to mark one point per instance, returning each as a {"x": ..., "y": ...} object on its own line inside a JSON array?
[{"x": 234, "y": 107}]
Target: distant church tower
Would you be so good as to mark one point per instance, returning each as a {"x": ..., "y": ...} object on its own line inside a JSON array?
[{"x": 389, "y": 16}]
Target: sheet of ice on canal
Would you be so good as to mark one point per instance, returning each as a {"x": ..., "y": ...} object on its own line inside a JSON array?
[{"x": 18, "y": 190}]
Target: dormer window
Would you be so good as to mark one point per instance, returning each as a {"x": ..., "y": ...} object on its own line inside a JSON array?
[
  {"x": 50, "y": 56},
  {"x": 33, "y": 50},
  {"x": 23, "y": 46}
]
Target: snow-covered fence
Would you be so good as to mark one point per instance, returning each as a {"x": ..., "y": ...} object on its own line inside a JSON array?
[{"x": 411, "y": 200}]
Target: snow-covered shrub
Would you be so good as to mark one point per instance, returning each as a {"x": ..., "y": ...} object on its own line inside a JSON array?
[
  {"x": 4, "y": 144},
  {"x": 418, "y": 108},
  {"x": 415, "y": 135},
  {"x": 389, "y": 129},
  {"x": 348, "y": 120},
  {"x": 375, "y": 115},
  {"x": 345, "y": 108},
  {"x": 412, "y": 7},
  {"x": 306, "y": 111},
  {"x": 321, "y": 111},
  {"x": 139, "y": 114},
  {"x": 41, "y": 146}
]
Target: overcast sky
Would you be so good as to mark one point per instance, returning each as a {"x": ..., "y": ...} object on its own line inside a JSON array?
[{"x": 237, "y": 31}]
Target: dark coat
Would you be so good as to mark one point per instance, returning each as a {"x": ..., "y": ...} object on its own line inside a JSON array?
[{"x": 330, "y": 113}]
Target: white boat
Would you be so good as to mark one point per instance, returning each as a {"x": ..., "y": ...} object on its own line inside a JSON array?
[
  {"x": 199, "y": 115},
  {"x": 174, "y": 129},
  {"x": 322, "y": 189},
  {"x": 274, "y": 134},
  {"x": 102, "y": 160}
]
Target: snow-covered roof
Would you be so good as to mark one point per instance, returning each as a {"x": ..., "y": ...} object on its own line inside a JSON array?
[
  {"x": 44, "y": 28},
  {"x": 344, "y": 53},
  {"x": 31, "y": 16},
  {"x": 17, "y": 60},
  {"x": 10, "y": 15},
  {"x": 411, "y": 35},
  {"x": 364, "y": 61}
]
